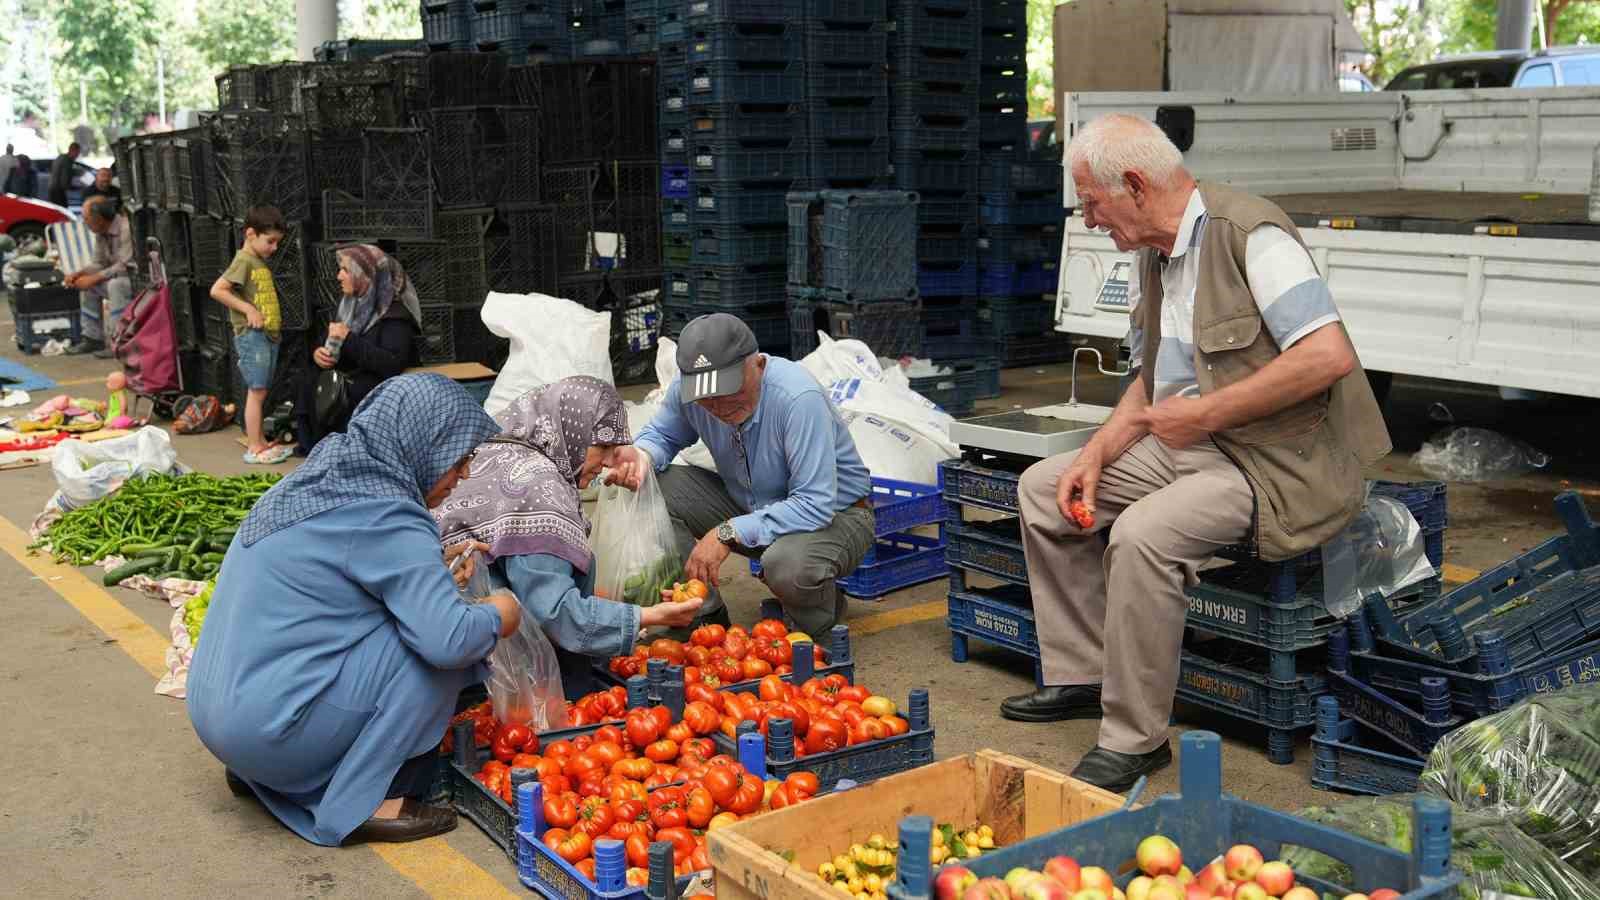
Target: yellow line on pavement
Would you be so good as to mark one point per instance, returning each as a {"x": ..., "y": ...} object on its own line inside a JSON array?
[
  {"x": 136, "y": 638},
  {"x": 440, "y": 870},
  {"x": 894, "y": 618},
  {"x": 437, "y": 868},
  {"x": 78, "y": 381}
]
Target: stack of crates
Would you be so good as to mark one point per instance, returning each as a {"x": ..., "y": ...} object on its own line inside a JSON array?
[
  {"x": 846, "y": 94},
  {"x": 1257, "y": 645},
  {"x": 934, "y": 68},
  {"x": 852, "y": 270},
  {"x": 733, "y": 144}
]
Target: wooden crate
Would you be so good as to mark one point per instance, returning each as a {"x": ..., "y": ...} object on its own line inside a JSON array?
[{"x": 1017, "y": 798}]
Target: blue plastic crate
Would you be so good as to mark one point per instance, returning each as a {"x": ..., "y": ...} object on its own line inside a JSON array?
[
  {"x": 848, "y": 10},
  {"x": 946, "y": 208},
  {"x": 967, "y": 342},
  {"x": 896, "y": 562},
  {"x": 956, "y": 392},
  {"x": 643, "y": 34},
  {"x": 1205, "y": 822},
  {"x": 993, "y": 548},
  {"x": 1007, "y": 244},
  {"x": 925, "y": 65},
  {"x": 1416, "y": 731},
  {"x": 1005, "y": 174},
  {"x": 861, "y": 763},
  {"x": 936, "y": 170},
  {"x": 902, "y": 505},
  {"x": 733, "y": 288},
  {"x": 675, "y": 182},
  {"x": 761, "y": 123},
  {"x": 988, "y": 377},
  {"x": 677, "y": 288},
  {"x": 949, "y": 315},
  {"x": 1018, "y": 279},
  {"x": 1234, "y": 679},
  {"x": 1003, "y": 129},
  {"x": 948, "y": 244},
  {"x": 740, "y": 82},
  {"x": 677, "y": 248},
  {"x": 697, "y": 11},
  {"x": 722, "y": 41},
  {"x": 1017, "y": 315},
  {"x": 1002, "y": 616},
  {"x": 844, "y": 43},
  {"x": 677, "y": 215},
  {"x": 542, "y": 870},
  {"x": 1345, "y": 758},
  {"x": 910, "y": 98},
  {"x": 950, "y": 28},
  {"x": 734, "y": 246},
  {"x": 849, "y": 159},
  {"x": 889, "y": 329},
  {"x": 848, "y": 82},
  {"x": 1017, "y": 208},
  {"x": 969, "y": 483},
  {"x": 848, "y": 118}
]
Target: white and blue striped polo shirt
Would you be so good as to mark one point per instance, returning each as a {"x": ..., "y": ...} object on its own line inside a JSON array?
[{"x": 1293, "y": 299}]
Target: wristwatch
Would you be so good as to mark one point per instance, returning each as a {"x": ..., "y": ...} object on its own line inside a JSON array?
[{"x": 727, "y": 535}]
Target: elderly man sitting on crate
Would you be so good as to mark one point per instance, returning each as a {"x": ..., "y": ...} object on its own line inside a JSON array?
[
  {"x": 1249, "y": 420},
  {"x": 790, "y": 488},
  {"x": 104, "y": 284}
]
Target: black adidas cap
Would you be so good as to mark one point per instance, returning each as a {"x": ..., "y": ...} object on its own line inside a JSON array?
[{"x": 711, "y": 355}]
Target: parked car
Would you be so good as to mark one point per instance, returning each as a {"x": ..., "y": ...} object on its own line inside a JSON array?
[
  {"x": 24, "y": 218},
  {"x": 1551, "y": 67},
  {"x": 1042, "y": 139},
  {"x": 82, "y": 179}
]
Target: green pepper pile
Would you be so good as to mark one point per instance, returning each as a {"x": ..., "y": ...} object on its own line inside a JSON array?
[
  {"x": 165, "y": 526},
  {"x": 194, "y": 612},
  {"x": 644, "y": 587}
]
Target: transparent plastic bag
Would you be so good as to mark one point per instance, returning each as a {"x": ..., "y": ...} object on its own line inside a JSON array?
[
  {"x": 1535, "y": 766},
  {"x": 1477, "y": 454},
  {"x": 635, "y": 551},
  {"x": 1380, "y": 552},
  {"x": 1492, "y": 854},
  {"x": 524, "y": 673}
]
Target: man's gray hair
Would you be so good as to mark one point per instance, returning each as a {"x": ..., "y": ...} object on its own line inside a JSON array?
[
  {"x": 102, "y": 208},
  {"x": 1117, "y": 143}
]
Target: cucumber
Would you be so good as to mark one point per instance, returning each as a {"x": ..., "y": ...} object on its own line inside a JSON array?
[
  {"x": 212, "y": 558},
  {"x": 155, "y": 551},
  {"x": 129, "y": 569},
  {"x": 199, "y": 543}
]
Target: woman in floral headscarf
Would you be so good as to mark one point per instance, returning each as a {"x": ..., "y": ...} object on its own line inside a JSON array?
[
  {"x": 520, "y": 507},
  {"x": 379, "y": 336}
]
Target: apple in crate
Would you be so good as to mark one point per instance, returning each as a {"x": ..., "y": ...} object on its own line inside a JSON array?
[
  {"x": 1158, "y": 855},
  {"x": 1251, "y": 891},
  {"x": 1212, "y": 877},
  {"x": 1384, "y": 894},
  {"x": 1242, "y": 862},
  {"x": 1094, "y": 878},
  {"x": 1065, "y": 869},
  {"x": 1165, "y": 890},
  {"x": 952, "y": 882},
  {"x": 988, "y": 889},
  {"x": 1276, "y": 877},
  {"x": 1301, "y": 892}
]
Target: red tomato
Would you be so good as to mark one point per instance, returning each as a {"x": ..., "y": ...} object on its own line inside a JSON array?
[
  {"x": 699, "y": 807},
  {"x": 734, "y": 789},
  {"x": 853, "y": 692},
  {"x": 608, "y": 734},
  {"x": 667, "y": 809},
  {"x": 682, "y": 842},
  {"x": 737, "y": 644},
  {"x": 679, "y": 732},
  {"x": 634, "y": 769},
  {"x": 701, "y": 717},
  {"x": 662, "y": 751},
  {"x": 663, "y": 717},
  {"x": 774, "y": 650},
  {"x": 667, "y": 649},
  {"x": 824, "y": 735},
  {"x": 515, "y": 735},
  {"x": 560, "y": 750},
  {"x": 561, "y": 811},
  {"x": 585, "y": 866},
  {"x": 708, "y": 636},
  {"x": 594, "y": 817},
  {"x": 702, "y": 692},
  {"x": 729, "y": 669},
  {"x": 769, "y": 628},
  {"x": 697, "y": 656},
  {"x": 642, "y": 728},
  {"x": 772, "y": 688},
  {"x": 577, "y": 846},
  {"x": 752, "y": 667}
]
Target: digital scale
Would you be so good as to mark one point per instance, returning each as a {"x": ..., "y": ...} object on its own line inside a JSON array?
[
  {"x": 1113, "y": 296},
  {"x": 1039, "y": 432}
]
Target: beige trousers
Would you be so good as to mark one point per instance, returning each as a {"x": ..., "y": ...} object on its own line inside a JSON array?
[{"x": 1113, "y": 613}]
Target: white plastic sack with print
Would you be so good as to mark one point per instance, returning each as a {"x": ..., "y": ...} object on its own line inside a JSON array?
[{"x": 551, "y": 339}]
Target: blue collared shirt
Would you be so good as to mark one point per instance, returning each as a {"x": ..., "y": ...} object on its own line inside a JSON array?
[{"x": 792, "y": 463}]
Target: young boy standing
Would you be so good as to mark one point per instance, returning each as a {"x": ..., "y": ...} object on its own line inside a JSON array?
[{"x": 246, "y": 289}]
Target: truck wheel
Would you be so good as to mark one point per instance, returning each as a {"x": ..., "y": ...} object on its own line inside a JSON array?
[{"x": 1381, "y": 382}]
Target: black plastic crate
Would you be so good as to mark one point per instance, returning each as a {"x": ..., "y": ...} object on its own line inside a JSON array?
[
  {"x": 850, "y": 160},
  {"x": 940, "y": 170},
  {"x": 475, "y": 342},
  {"x": 395, "y": 164},
  {"x": 237, "y": 88},
  {"x": 854, "y": 246},
  {"x": 748, "y": 164},
  {"x": 279, "y": 86},
  {"x": 151, "y": 177},
  {"x": 1004, "y": 15},
  {"x": 908, "y": 98},
  {"x": 466, "y": 267},
  {"x": 322, "y": 270},
  {"x": 739, "y": 245},
  {"x": 933, "y": 66},
  {"x": 731, "y": 288},
  {"x": 726, "y": 123},
  {"x": 858, "y": 44},
  {"x": 747, "y": 82},
  {"x": 1003, "y": 128},
  {"x": 628, "y": 205},
  {"x": 890, "y": 329},
  {"x": 425, "y": 264},
  {"x": 1006, "y": 174},
  {"x": 921, "y": 25},
  {"x": 722, "y": 41},
  {"x": 436, "y": 343},
  {"x": 635, "y": 326},
  {"x": 191, "y": 166},
  {"x": 595, "y": 109},
  {"x": 1004, "y": 49},
  {"x": 1037, "y": 350},
  {"x": 172, "y": 229},
  {"x": 523, "y": 247},
  {"x": 697, "y": 11},
  {"x": 588, "y": 290},
  {"x": 348, "y": 107},
  {"x": 728, "y": 204},
  {"x": 1003, "y": 91},
  {"x": 846, "y": 83},
  {"x": 334, "y": 163},
  {"x": 848, "y": 10},
  {"x": 346, "y": 217},
  {"x": 260, "y": 158},
  {"x": 359, "y": 49},
  {"x": 1018, "y": 316},
  {"x": 848, "y": 118},
  {"x": 1016, "y": 244},
  {"x": 457, "y": 79},
  {"x": 218, "y": 371},
  {"x": 943, "y": 208},
  {"x": 448, "y": 29},
  {"x": 181, "y": 298},
  {"x": 210, "y": 247}
]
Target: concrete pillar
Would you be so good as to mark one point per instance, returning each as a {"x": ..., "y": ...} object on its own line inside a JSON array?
[
  {"x": 1514, "y": 25},
  {"x": 315, "y": 21}
]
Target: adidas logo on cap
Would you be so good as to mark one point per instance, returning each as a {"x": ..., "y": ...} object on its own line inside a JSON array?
[{"x": 701, "y": 362}]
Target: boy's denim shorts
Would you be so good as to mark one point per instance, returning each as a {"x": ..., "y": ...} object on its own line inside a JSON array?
[{"x": 258, "y": 356}]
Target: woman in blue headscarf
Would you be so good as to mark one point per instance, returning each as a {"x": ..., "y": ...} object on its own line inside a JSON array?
[{"x": 332, "y": 656}]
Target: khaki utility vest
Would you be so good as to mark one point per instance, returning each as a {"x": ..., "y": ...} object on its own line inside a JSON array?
[{"x": 1303, "y": 463}]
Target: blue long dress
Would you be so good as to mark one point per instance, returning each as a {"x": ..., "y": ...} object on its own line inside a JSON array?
[{"x": 333, "y": 651}]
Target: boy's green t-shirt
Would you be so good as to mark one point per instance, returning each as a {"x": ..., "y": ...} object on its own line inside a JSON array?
[{"x": 249, "y": 275}]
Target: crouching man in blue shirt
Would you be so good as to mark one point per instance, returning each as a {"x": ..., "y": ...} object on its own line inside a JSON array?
[{"x": 790, "y": 488}]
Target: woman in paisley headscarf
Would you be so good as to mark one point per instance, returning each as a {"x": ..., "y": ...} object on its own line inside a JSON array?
[
  {"x": 379, "y": 337},
  {"x": 336, "y": 644},
  {"x": 520, "y": 507}
]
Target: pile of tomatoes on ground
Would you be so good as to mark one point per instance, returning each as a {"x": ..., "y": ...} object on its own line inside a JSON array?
[
  {"x": 827, "y": 713},
  {"x": 591, "y": 709},
  {"x": 722, "y": 656},
  {"x": 647, "y": 780}
]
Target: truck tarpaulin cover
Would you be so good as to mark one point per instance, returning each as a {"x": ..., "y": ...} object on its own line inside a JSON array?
[{"x": 1279, "y": 54}]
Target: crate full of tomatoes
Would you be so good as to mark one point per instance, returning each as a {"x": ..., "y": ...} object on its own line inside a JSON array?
[
  {"x": 591, "y": 709},
  {"x": 736, "y": 658}
]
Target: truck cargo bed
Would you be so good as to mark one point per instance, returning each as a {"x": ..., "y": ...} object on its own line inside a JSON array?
[{"x": 1446, "y": 212}]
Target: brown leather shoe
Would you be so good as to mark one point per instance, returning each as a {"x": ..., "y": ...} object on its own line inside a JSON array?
[
  {"x": 237, "y": 785},
  {"x": 417, "y": 820}
]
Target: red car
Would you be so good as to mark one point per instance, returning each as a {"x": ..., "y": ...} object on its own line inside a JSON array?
[{"x": 23, "y": 218}]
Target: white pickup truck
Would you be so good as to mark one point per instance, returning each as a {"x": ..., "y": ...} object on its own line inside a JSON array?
[{"x": 1453, "y": 226}]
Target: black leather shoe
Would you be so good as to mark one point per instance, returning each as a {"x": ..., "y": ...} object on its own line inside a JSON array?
[
  {"x": 1116, "y": 772},
  {"x": 1054, "y": 704},
  {"x": 237, "y": 785},
  {"x": 87, "y": 345},
  {"x": 416, "y": 821}
]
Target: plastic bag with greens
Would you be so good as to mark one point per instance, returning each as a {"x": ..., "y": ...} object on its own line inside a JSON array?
[
  {"x": 1492, "y": 854},
  {"x": 1537, "y": 766},
  {"x": 635, "y": 548}
]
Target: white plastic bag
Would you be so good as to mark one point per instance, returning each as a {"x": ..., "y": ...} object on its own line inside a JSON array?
[
  {"x": 551, "y": 339},
  {"x": 891, "y": 450},
  {"x": 849, "y": 358},
  {"x": 903, "y": 406},
  {"x": 1477, "y": 454},
  {"x": 524, "y": 681},
  {"x": 86, "y": 472},
  {"x": 1380, "y": 552},
  {"x": 635, "y": 551}
]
